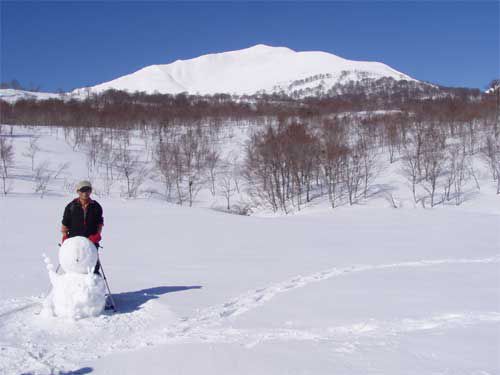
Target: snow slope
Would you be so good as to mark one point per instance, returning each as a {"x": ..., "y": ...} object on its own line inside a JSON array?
[
  {"x": 361, "y": 291},
  {"x": 356, "y": 290},
  {"x": 246, "y": 71},
  {"x": 12, "y": 95}
]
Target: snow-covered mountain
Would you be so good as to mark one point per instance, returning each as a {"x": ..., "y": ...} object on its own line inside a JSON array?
[{"x": 260, "y": 68}]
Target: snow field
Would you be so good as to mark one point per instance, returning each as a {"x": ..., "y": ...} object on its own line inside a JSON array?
[{"x": 356, "y": 290}]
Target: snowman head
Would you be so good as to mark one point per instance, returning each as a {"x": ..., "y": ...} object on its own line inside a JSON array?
[{"x": 77, "y": 255}]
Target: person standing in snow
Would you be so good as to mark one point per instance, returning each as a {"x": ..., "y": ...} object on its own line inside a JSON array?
[{"x": 83, "y": 217}]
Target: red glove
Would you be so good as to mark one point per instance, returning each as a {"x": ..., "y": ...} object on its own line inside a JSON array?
[
  {"x": 95, "y": 238},
  {"x": 65, "y": 237}
]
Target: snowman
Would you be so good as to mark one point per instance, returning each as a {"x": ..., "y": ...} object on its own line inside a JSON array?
[{"x": 78, "y": 292}]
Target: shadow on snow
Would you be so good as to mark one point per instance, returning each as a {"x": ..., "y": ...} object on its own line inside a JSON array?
[
  {"x": 131, "y": 301},
  {"x": 81, "y": 371}
]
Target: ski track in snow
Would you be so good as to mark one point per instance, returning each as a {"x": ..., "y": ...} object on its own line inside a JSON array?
[{"x": 46, "y": 345}]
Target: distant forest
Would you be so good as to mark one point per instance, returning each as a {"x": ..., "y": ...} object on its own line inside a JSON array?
[{"x": 119, "y": 109}]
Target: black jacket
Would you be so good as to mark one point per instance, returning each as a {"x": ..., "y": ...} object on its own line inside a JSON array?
[{"x": 80, "y": 224}]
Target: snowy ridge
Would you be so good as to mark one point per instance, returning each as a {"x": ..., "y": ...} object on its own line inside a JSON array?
[
  {"x": 260, "y": 68},
  {"x": 12, "y": 95},
  {"x": 22, "y": 334}
]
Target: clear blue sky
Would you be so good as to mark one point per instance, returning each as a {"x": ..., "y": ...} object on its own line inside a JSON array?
[{"x": 68, "y": 45}]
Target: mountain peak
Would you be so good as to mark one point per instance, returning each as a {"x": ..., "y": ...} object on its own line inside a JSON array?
[
  {"x": 257, "y": 49},
  {"x": 266, "y": 48}
]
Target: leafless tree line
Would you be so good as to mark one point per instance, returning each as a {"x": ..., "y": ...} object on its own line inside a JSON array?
[
  {"x": 437, "y": 158},
  {"x": 187, "y": 160},
  {"x": 306, "y": 149},
  {"x": 289, "y": 164},
  {"x": 122, "y": 110},
  {"x": 183, "y": 156},
  {"x": 340, "y": 156},
  {"x": 110, "y": 155}
]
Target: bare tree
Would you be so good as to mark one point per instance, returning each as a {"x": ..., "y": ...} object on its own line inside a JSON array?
[
  {"x": 7, "y": 161},
  {"x": 227, "y": 188},
  {"x": 165, "y": 160},
  {"x": 410, "y": 167},
  {"x": 461, "y": 177},
  {"x": 393, "y": 136},
  {"x": 32, "y": 150},
  {"x": 451, "y": 170},
  {"x": 236, "y": 171},
  {"x": 261, "y": 170},
  {"x": 333, "y": 157},
  {"x": 42, "y": 176},
  {"x": 491, "y": 155},
  {"x": 61, "y": 168},
  {"x": 75, "y": 136},
  {"x": 130, "y": 168},
  {"x": 193, "y": 151},
  {"x": 434, "y": 161},
  {"x": 179, "y": 171},
  {"x": 472, "y": 126},
  {"x": 107, "y": 158},
  {"x": 93, "y": 148},
  {"x": 368, "y": 156},
  {"x": 212, "y": 162},
  {"x": 353, "y": 174}
]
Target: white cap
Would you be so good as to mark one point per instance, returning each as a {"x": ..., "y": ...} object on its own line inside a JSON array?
[{"x": 82, "y": 184}]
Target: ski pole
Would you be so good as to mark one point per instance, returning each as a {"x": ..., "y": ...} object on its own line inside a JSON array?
[
  {"x": 58, "y": 264},
  {"x": 107, "y": 285}
]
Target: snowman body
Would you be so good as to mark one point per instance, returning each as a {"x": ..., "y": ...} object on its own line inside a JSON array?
[{"x": 78, "y": 293}]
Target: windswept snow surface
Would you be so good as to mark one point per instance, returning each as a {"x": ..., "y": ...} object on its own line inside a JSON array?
[{"x": 356, "y": 290}]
